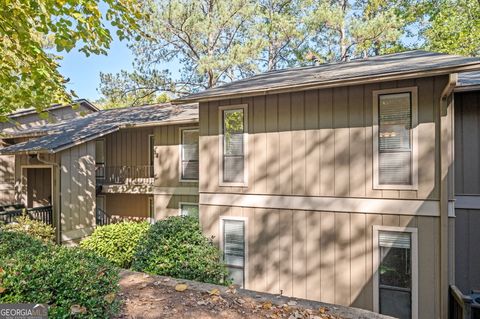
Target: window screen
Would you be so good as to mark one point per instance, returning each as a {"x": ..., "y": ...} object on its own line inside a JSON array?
[
  {"x": 189, "y": 210},
  {"x": 394, "y": 140},
  {"x": 234, "y": 249},
  {"x": 190, "y": 154},
  {"x": 395, "y": 274},
  {"x": 233, "y": 146}
]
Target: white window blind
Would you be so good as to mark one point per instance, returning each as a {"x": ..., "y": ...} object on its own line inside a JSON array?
[
  {"x": 395, "y": 140},
  {"x": 100, "y": 152},
  {"x": 233, "y": 146},
  {"x": 234, "y": 249},
  {"x": 189, "y": 154},
  {"x": 394, "y": 239}
]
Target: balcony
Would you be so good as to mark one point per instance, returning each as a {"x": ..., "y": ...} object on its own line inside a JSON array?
[{"x": 124, "y": 175}]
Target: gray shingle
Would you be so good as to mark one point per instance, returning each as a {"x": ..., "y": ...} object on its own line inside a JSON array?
[
  {"x": 362, "y": 69},
  {"x": 63, "y": 135},
  {"x": 469, "y": 79}
]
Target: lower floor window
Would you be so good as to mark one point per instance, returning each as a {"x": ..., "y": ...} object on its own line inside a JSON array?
[
  {"x": 187, "y": 209},
  {"x": 396, "y": 267},
  {"x": 234, "y": 249}
]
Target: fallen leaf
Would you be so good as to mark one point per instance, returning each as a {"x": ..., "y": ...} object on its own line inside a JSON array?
[
  {"x": 215, "y": 292},
  {"x": 201, "y": 303},
  {"x": 267, "y": 305},
  {"x": 109, "y": 298},
  {"x": 76, "y": 309},
  {"x": 322, "y": 310},
  {"x": 292, "y": 303},
  {"x": 2, "y": 290},
  {"x": 181, "y": 287}
]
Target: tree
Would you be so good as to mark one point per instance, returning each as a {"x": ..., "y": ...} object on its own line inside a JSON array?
[
  {"x": 454, "y": 27},
  {"x": 205, "y": 37},
  {"x": 344, "y": 29},
  {"x": 30, "y": 30}
]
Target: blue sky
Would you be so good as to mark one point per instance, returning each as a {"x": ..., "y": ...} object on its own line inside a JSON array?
[{"x": 84, "y": 72}]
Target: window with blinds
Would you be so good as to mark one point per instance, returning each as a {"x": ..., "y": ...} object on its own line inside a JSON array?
[
  {"x": 189, "y": 210},
  {"x": 395, "y": 274},
  {"x": 395, "y": 139},
  {"x": 189, "y": 156},
  {"x": 233, "y": 146},
  {"x": 100, "y": 158},
  {"x": 234, "y": 249}
]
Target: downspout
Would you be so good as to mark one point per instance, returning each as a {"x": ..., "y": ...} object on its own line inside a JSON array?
[
  {"x": 56, "y": 208},
  {"x": 446, "y": 160}
]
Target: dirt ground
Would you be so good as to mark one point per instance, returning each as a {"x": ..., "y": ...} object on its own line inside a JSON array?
[{"x": 147, "y": 296}]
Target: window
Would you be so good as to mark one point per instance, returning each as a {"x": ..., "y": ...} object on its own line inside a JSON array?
[
  {"x": 189, "y": 209},
  {"x": 395, "y": 117},
  {"x": 234, "y": 249},
  {"x": 100, "y": 158},
  {"x": 151, "y": 154},
  {"x": 233, "y": 124},
  {"x": 189, "y": 154},
  {"x": 396, "y": 279}
]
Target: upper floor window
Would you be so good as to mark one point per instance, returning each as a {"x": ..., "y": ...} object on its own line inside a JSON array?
[
  {"x": 233, "y": 124},
  {"x": 189, "y": 154},
  {"x": 395, "y": 120}
]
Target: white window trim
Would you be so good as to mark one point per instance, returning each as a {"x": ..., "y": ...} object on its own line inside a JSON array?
[
  {"x": 245, "y": 224},
  {"x": 151, "y": 204},
  {"x": 376, "y": 264},
  {"x": 186, "y": 203},
  {"x": 245, "y": 144},
  {"x": 414, "y": 95},
  {"x": 104, "y": 155},
  {"x": 180, "y": 143}
]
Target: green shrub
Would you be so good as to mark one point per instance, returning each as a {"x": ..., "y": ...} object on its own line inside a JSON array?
[
  {"x": 61, "y": 277},
  {"x": 116, "y": 242},
  {"x": 176, "y": 247},
  {"x": 34, "y": 228}
]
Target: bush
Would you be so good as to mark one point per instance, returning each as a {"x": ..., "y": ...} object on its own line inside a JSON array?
[
  {"x": 116, "y": 242},
  {"x": 61, "y": 277},
  {"x": 34, "y": 228},
  {"x": 176, "y": 247}
]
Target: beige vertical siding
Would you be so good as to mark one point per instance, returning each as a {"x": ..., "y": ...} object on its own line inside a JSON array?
[
  {"x": 7, "y": 177},
  {"x": 128, "y": 147},
  {"x": 127, "y": 205},
  {"x": 325, "y": 255},
  {"x": 77, "y": 191},
  {"x": 39, "y": 186},
  {"x": 319, "y": 142}
]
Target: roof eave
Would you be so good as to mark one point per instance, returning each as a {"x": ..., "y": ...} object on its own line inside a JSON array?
[
  {"x": 467, "y": 88},
  {"x": 335, "y": 83}
]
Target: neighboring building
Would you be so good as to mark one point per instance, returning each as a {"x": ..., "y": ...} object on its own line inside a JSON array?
[
  {"x": 335, "y": 182},
  {"x": 114, "y": 163},
  {"x": 25, "y": 119}
]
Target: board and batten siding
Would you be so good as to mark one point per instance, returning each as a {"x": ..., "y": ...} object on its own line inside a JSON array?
[
  {"x": 319, "y": 142},
  {"x": 7, "y": 179},
  {"x": 127, "y": 205},
  {"x": 467, "y": 190},
  {"x": 324, "y": 255},
  {"x": 77, "y": 191},
  {"x": 168, "y": 190}
]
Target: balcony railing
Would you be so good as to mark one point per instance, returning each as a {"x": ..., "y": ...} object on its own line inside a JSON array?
[
  {"x": 142, "y": 174},
  {"x": 43, "y": 214}
]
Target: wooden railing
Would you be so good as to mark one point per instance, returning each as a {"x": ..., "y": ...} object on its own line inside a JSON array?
[
  {"x": 102, "y": 218},
  {"x": 141, "y": 174},
  {"x": 43, "y": 214},
  {"x": 462, "y": 306}
]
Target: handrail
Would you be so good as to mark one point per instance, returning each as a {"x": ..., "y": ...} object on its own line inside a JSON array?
[
  {"x": 101, "y": 217},
  {"x": 126, "y": 174},
  {"x": 460, "y": 304},
  {"x": 43, "y": 214}
]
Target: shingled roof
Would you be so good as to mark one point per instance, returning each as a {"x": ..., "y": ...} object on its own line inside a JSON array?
[
  {"x": 57, "y": 137},
  {"x": 469, "y": 79},
  {"x": 374, "y": 69}
]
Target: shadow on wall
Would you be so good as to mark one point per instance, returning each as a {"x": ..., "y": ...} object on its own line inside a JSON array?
[{"x": 320, "y": 143}]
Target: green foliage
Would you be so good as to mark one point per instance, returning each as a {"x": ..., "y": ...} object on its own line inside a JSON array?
[
  {"x": 31, "y": 30},
  {"x": 116, "y": 242},
  {"x": 34, "y": 228},
  {"x": 454, "y": 27},
  {"x": 61, "y": 277},
  {"x": 176, "y": 247}
]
